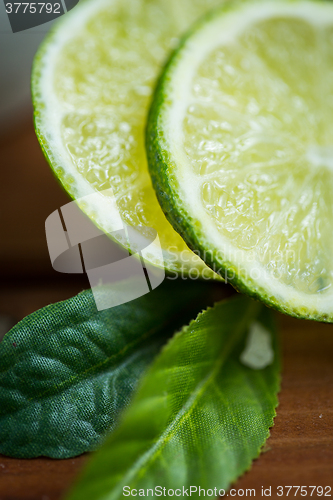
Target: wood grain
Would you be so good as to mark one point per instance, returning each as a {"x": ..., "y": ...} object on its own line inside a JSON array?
[{"x": 301, "y": 443}]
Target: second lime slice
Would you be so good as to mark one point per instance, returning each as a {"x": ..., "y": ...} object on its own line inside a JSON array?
[{"x": 240, "y": 142}]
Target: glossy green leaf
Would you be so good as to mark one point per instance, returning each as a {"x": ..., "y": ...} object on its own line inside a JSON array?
[
  {"x": 67, "y": 370},
  {"x": 199, "y": 417}
]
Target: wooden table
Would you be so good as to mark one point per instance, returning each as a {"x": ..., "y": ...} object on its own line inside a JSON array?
[{"x": 300, "y": 449}]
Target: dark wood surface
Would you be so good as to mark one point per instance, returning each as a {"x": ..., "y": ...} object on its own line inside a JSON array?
[{"x": 300, "y": 449}]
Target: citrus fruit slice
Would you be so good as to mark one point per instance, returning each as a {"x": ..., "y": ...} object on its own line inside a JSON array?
[
  {"x": 240, "y": 146},
  {"x": 92, "y": 82}
]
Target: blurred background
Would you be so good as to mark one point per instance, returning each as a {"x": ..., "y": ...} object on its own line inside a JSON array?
[{"x": 28, "y": 190}]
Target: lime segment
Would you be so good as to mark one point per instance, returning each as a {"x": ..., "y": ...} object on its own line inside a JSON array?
[
  {"x": 92, "y": 83},
  {"x": 240, "y": 136}
]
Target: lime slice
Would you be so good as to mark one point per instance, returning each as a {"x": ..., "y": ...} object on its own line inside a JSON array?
[
  {"x": 240, "y": 145},
  {"x": 92, "y": 82}
]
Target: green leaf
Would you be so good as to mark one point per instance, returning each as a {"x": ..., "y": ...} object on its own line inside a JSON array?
[
  {"x": 199, "y": 417},
  {"x": 67, "y": 370}
]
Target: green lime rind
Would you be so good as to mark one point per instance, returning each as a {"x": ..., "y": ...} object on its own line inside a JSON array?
[{"x": 162, "y": 171}]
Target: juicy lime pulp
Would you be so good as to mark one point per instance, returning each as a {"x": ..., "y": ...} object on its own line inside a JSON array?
[
  {"x": 240, "y": 146},
  {"x": 92, "y": 82}
]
